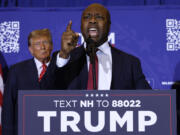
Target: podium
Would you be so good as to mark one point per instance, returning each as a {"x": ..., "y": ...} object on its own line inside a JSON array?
[{"x": 87, "y": 112}]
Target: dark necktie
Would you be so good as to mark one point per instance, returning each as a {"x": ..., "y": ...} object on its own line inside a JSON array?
[
  {"x": 44, "y": 67},
  {"x": 90, "y": 75}
]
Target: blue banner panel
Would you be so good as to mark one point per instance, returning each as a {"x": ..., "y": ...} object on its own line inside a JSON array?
[
  {"x": 152, "y": 33},
  {"x": 143, "y": 112}
]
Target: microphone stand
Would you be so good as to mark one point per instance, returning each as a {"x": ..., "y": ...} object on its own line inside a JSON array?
[{"x": 91, "y": 51}]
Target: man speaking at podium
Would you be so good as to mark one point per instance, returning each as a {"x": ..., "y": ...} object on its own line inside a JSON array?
[{"x": 112, "y": 68}]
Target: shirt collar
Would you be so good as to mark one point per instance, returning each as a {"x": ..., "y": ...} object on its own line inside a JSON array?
[
  {"x": 39, "y": 64},
  {"x": 103, "y": 48}
]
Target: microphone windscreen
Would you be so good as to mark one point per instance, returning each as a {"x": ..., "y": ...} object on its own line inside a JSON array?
[{"x": 90, "y": 41}]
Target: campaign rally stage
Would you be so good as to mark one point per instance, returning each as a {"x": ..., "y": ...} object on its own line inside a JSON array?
[{"x": 87, "y": 112}]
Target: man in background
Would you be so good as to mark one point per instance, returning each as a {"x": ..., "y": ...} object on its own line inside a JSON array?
[
  {"x": 30, "y": 74},
  {"x": 115, "y": 69}
]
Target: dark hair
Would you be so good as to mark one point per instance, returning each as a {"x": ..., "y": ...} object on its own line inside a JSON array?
[{"x": 99, "y": 5}]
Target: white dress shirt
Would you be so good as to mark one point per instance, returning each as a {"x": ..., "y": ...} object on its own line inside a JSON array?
[
  {"x": 104, "y": 64},
  {"x": 39, "y": 65}
]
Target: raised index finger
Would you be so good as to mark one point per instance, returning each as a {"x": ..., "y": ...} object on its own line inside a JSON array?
[{"x": 68, "y": 28}]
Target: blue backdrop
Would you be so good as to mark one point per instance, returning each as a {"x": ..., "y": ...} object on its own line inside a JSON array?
[
  {"x": 80, "y": 3},
  {"x": 150, "y": 33}
]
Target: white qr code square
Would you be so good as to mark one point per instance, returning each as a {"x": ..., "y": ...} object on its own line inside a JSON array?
[
  {"x": 9, "y": 36},
  {"x": 173, "y": 35}
]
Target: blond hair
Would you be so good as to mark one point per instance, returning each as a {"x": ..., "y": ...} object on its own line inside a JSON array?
[{"x": 39, "y": 33}]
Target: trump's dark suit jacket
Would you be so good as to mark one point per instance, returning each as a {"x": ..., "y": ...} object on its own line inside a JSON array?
[
  {"x": 126, "y": 71},
  {"x": 22, "y": 76}
]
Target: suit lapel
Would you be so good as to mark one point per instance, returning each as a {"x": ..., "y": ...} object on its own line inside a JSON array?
[
  {"x": 82, "y": 67},
  {"x": 32, "y": 73},
  {"x": 84, "y": 73},
  {"x": 116, "y": 66}
]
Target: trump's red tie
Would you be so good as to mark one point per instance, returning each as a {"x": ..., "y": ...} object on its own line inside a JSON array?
[
  {"x": 44, "y": 67},
  {"x": 90, "y": 75}
]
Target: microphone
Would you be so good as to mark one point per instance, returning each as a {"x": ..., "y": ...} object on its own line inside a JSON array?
[
  {"x": 91, "y": 52},
  {"x": 91, "y": 49}
]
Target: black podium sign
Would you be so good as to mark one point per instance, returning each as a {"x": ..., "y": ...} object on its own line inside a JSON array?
[{"x": 87, "y": 112}]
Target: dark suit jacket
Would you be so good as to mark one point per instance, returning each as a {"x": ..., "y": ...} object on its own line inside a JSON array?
[
  {"x": 126, "y": 71},
  {"x": 22, "y": 76}
]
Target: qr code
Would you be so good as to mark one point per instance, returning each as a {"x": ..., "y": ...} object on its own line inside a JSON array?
[
  {"x": 9, "y": 36},
  {"x": 173, "y": 34}
]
